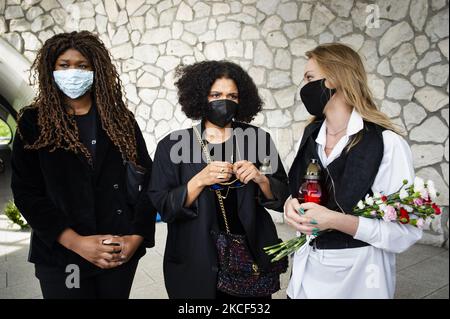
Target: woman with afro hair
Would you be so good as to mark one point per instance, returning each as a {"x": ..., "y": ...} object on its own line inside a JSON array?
[
  {"x": 215, "y": 178},
  {"x": 75, "y": 144}
]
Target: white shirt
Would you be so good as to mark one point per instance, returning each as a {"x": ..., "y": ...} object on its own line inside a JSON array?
[{"x": 365, "y": 272}]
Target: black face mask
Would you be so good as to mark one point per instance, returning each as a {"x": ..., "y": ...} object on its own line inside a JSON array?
[
  {"x": 221, "y": 112},
  {"x": 315, "y": 95}
]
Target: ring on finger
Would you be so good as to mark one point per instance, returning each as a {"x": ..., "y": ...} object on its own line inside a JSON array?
[{"x": 315, "y": 231}]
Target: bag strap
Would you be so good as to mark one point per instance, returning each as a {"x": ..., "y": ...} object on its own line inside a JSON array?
[{"x": 218, "y": 193}]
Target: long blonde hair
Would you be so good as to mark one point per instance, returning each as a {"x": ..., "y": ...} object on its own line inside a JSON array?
[{"x": 343, "y": 67}]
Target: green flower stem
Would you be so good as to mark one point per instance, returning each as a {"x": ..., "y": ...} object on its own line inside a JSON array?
[
  {"x": 285, "y": 248},
  {"x": 284, "y": 244}
]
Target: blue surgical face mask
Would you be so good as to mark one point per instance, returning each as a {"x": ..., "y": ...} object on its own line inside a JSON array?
[{"x": 74, "y": 82}]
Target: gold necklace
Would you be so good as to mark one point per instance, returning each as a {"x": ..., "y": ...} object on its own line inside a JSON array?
[{"x": 225, "y": 197}]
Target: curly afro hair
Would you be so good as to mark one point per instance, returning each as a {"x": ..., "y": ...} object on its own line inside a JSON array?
[{"x": 195, "y": 82}]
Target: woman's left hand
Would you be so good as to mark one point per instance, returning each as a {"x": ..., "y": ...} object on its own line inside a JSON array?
[
  {"x": 129, "y": 245},
  {"x": 316, "y": 216},
  {"x": 246, "y": 171}
]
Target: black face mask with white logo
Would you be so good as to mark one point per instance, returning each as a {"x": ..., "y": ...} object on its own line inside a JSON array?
[
  {"x": 315, "y": 95},
  {"x": 221, "y": 112}
]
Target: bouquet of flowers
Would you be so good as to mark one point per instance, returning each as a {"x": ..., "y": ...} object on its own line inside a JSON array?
[{"x": 410, "y": 205}]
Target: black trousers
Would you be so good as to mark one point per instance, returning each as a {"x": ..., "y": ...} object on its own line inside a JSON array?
[{"x": 108, "y": 284}]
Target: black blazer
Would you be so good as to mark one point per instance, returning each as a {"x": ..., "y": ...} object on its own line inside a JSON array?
[
  {"x": 190, "y": 258},
  {"x": 59, "y": 189}
]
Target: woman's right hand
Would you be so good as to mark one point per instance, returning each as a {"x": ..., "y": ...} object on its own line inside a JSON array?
[
  {"x": 92, "y": 248},
  {"x": 215, "y": 172}
]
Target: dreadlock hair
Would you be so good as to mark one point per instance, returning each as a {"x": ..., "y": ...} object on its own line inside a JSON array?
[{"x": 57, "y": 127}]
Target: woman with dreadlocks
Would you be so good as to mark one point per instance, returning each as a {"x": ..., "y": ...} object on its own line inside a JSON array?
[{"x": 77, "y": 150}]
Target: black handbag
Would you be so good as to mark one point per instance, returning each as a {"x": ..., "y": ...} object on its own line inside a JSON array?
[
  {"x": 238, "y": 274},
  {"x": 135, "y": 177}
]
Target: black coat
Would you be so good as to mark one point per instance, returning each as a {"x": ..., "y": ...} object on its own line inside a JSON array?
[
  {"x": 190, "y": 258},
  {"x": 58, "y": 190}
]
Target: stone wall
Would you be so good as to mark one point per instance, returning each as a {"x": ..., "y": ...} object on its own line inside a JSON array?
[{"x": 404, "y": 44}]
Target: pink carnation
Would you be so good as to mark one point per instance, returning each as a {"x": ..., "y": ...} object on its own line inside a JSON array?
[
  {"x": 390, "y": 214},
  {"x": 418, "y": 201}
]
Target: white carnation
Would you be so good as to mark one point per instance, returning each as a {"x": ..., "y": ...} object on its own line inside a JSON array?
[
  {"x": 369, "y": 200},
  {"x": 408, "y": 208},
  {"x": 361, "y": 204},
  {"x": 419, "y": 184},
  {"x": 377, "y": 198},
  {"x": 403, "y": 194},
  {"x": 377, "y": 195}
]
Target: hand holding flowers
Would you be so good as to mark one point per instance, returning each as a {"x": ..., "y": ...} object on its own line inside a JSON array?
[
  {"x": 309, "y": 218},
  {"x": 412, "y": 205}
]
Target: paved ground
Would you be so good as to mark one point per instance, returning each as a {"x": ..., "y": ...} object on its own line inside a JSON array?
[{"x": 422, "y": 271}]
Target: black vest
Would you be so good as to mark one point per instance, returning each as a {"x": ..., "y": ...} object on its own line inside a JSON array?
[{"x": 352, "y": 174}]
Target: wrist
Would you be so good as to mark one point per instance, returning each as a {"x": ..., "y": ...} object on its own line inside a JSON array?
[
  {"x": 69, "y": 239},
  {"x": 197, "y": 182},
  {"x": 345, "y": 223},
  {"x": 262, "y": 180},
  {"x": 137, "y": 239},
  {"x": 334, "y": 219}
]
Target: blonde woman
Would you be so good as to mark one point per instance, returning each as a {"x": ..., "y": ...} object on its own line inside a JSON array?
[{"x": 360, "y": 152}]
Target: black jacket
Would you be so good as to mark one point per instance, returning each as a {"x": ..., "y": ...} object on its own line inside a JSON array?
[
  {"x": 58, "y": 190},
  {"x": 190, "y": 258}
]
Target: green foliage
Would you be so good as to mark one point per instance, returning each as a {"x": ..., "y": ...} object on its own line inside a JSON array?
[
  {"x": 12, "y": 212},
  {"x": 5, "y": 132}
]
